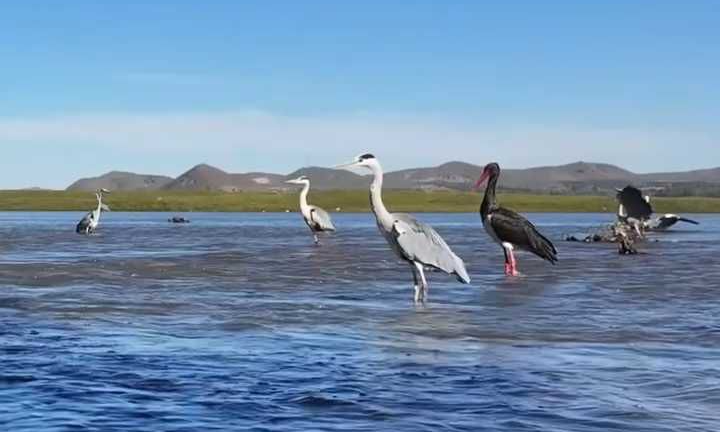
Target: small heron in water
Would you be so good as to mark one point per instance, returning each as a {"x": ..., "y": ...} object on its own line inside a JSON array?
[
  {"x": 508, "y": 228},
  {"x": 414, "y": 242},
  {"x": 90, "y": 222},
  {"x": 317, "y": 219}
]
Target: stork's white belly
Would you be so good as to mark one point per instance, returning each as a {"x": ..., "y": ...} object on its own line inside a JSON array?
[{"x": 489, "y": 229}]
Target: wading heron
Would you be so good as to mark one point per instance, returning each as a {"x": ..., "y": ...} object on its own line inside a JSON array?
[
  {"x": 317, "y": 219},
  {"x": 414, "y": 242},
  {"x": 90, "y": 222}
]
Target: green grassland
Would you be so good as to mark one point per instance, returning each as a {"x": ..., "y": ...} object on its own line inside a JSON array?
[{"x": 347, "y": 201}]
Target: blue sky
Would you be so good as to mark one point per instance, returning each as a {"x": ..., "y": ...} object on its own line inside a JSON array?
[{"x": 88, "y": 86}]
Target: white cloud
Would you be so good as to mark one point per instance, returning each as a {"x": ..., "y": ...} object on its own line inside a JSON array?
[{"x": 401, "y": 141}]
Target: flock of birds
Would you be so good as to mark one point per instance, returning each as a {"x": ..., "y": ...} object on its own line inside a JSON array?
[{"x": 420, "y": 246}]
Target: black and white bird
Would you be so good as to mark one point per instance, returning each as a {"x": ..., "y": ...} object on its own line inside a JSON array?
[
  {"x": 317, "y": 219},
  {"x": 666, "y": 221},
  {"x": 636, "y": 210},
  {"x": 90, "y": 222},
  {"x": 414, "y": 242},
  {"x": 508, "y": 228}
]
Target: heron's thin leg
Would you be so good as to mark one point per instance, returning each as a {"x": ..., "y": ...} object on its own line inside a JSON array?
[{"x": 425, "y": 287}]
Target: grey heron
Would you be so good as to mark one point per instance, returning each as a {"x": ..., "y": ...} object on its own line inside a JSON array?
[
  {"x": 413, "y": 241},
  {"x": 508, "y": 228},
  {"x": 317, "y": 219},
  {"x": 89, "y": 223}
]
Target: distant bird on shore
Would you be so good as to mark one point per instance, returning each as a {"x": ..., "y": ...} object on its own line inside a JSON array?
[
  {"x": 508, "y": 228},
  {"x": 317, "y": 219},
  {"x": 89, "y": 223},
  {"x": 413, "y": 241}
]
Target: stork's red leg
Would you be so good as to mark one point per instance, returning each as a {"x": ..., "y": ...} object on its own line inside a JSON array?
[
  {"x": 508, "y": 266},
  {"x": 513, "y": 264}
]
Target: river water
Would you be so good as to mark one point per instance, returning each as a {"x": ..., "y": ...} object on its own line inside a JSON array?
[{"x": 239, "y": 322}]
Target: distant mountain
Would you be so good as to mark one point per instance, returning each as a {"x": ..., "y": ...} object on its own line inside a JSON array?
[
  {"x": 328, "y": 178},
  {"x": 451, "y": 175},
  {"x": 206, "y": 177},
  {"x": 711, "y": 175},
  {"x": 122, "y": 181},
  {"x": 574, "y": 178}
]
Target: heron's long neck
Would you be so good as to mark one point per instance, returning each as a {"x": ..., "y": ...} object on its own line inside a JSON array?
[
  {"x": 489, "y": 201},
  {"x": 304, "y": 195},
  {"x": 99, "y": 206},
  {"x": 376, "y": 201}
]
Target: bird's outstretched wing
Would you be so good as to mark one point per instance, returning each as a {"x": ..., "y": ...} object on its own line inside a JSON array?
[
  {"x": 321, "y": 219},
  {"x": 419, "y": 242},
  {"x": 514, "y": 228},
  {"x": 667, "y": 221},
  {"x": 84, "y": 223}
]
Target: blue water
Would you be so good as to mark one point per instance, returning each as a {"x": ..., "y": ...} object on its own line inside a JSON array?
[{"x": 238, "y": 322}]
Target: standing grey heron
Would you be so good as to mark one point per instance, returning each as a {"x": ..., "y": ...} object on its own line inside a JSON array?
[
  {"x": 90, "y": 222},
  {"x": 508, "y": 228},
  {"x": 317, "y": 219},
  {"x": 413, "y": 241}
]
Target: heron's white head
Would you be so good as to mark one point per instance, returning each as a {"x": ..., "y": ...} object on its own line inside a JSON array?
[
  {"x": 302, "y": 180},
  {"x": 365, "y": 160}
]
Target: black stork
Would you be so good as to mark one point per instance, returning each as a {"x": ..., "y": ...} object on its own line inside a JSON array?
[{"x": 508, "y": 228}]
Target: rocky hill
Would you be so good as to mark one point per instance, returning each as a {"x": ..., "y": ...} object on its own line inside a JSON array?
[
  {"x": 119, "y": 180},
  {"x": 574, "y": 178}
]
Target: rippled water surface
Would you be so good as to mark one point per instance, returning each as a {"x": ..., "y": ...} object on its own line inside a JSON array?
[{"x": 238, "y": 322}]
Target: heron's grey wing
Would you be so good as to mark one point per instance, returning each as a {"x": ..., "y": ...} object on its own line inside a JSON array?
[
  {"x": 635, "y": 205},
  {"x": 84, "y": 223},
  {"x": 420, "y": 242},
  {"x": 321, "y": 218}
]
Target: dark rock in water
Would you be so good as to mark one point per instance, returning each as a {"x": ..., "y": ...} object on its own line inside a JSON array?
[{"x": 178, "y": 219}]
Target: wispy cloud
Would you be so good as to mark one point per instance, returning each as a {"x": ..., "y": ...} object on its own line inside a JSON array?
[{"x": 402, "y": 141}]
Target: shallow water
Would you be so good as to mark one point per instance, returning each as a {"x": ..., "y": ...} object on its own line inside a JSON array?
[{"x": 237, "y": 321}]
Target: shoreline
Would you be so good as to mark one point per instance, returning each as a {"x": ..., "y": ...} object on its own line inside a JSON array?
[{"x": 336, "y": 201}]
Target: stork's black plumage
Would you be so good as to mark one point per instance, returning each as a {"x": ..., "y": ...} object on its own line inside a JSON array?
[{"x": 508, "y": 228}]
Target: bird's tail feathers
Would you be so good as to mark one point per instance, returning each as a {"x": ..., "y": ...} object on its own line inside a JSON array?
[
  {"x": 546, "y": 249},
  {"x": 460, "y": 271}
]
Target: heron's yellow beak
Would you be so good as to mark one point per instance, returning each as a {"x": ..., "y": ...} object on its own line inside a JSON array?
[{"x": 345, "y": 165}]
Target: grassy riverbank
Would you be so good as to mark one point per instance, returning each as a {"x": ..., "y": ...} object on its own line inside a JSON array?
[{"x": 347, "y": 201}]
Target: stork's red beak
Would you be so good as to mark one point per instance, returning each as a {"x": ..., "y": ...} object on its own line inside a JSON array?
[{"x": 483, "y": 177}]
